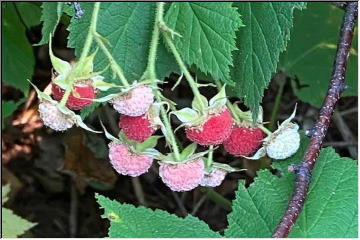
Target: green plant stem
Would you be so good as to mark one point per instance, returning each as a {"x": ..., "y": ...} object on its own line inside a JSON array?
[
  {"x": 84, "y": 53},
  {"x": 114, "y": 66},
  {"x": 209, "y": 159},
  {"x": 183, "y": 67},
  {"x": 217, "y": 198},
  {"x": 276, "y": 106},
  {"x": 150, "y": 74}
]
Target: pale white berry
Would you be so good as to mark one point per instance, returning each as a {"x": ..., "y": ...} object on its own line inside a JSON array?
[
  {"x": 53, "y": 118},
  {"x": 285, "y": 143},
  {"x": 135, "y": 103},
  {"x": 214, "y": 178}
]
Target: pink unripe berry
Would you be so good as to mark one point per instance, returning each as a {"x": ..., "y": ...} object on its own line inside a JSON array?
[
  {"x": 134, "y": 103},
  {"x": 127, "y": 163},
  {"x": 183, "y": 176},
  {"x": 214, "y": 178}
]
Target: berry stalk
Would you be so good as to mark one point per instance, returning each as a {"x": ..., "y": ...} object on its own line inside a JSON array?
[
  {"x": 150, "y": 74},
  {"x": 209, "y": 159},
  {"x": 317, "y": 134},
  {"x": 84, "y": 53}
]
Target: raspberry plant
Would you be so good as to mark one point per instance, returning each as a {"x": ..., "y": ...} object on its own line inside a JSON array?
[{"x": 124, "y": 52}]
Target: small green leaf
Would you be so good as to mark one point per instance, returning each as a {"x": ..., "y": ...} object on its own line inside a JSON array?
[
  {"x": 186, "y": 115},
  {"x": 208, "y": 34},
  {"x": 12, "y": 225},
  {"x": 127, "y": 221}
]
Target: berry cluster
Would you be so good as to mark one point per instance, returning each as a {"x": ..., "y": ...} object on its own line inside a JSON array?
[{"x": 140, "y": 105}]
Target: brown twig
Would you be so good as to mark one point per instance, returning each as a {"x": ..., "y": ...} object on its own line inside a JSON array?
[{"x": 317, "y": 134}]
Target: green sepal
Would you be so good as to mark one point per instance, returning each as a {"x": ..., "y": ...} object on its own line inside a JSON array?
[
  {"x": 60, "y": 66},
  {"x": 200, "y": 106},
  {"x": 149, "y": 143},
  {"x": 188, "y": 151},
  {"x": 219, "y": 100},
  {"x": 76, "y": 117},
  {"x": 108, "y": 135},
  {"x": 186, "y": 115},
  {"x": 41, "y": 95}
]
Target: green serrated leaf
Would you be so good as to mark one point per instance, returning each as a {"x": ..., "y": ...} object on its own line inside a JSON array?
[
  {"x": 260, "y": 42},
  {"x": 310, "y": 54},
  {"x": 18, "y": 58},
  {"x": 12, "y": 225},
  {"x": 128, "y": 27},
  {"x": 140, "y": 222},
  {"x": 208, "y": 34},
  {"x": 330, "y": 209},
  {"x": 50, "y": 16}
]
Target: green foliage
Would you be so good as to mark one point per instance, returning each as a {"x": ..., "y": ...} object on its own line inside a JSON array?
[
  {"x": 12, "y": 225},
  {"x": 140, "y": 222},
  {"x": 30, "y": 13},
  {"x": 330, "y": 209},
  {"x": 207, "y": 32},
  {"x": 260, "y": 42},
  {"x": 18, "y": 57},
  {"x": 50, "y": 16},
  {"x": 311, "y": 52},
  {"x": 128, "y": 27}
]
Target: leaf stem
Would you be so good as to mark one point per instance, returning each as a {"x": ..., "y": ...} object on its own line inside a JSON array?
[
  {"x": 183, "y": 67},
  {"x": 84, "y": 53},
  {"x": 150, "y": 74}
]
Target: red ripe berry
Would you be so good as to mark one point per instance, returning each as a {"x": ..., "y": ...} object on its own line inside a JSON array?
[
  {"x": 244, "y": 141},
  {"x": 215, "y": 130},
  {"x": 136, "y": 128},
  {"x": 74, "y": 103}
]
